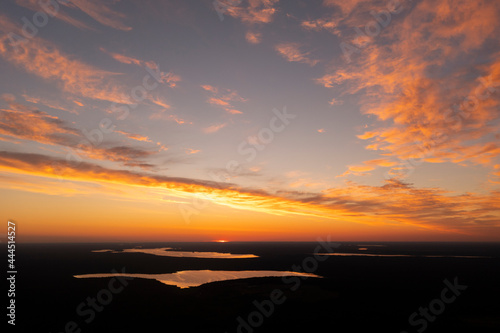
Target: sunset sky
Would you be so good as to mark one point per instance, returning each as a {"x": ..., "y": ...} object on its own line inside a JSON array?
[{"x": 252, "y": 120}]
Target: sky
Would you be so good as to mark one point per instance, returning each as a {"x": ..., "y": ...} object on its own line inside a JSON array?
[{"x": 250, "y": 120}]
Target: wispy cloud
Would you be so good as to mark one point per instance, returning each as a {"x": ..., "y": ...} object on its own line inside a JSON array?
[
  {"x": 320, "y": 24},
  {"x": 24, "y": 123},
  {"x": 34, "y": 5},
  {"x": 253, "y": 37},
  {"x": 224, "y": 98},
  {"x": 101, "y": 12},
  {"x": 394, "y": 203},
  {"x": 169, "y": 78},
  {"x": 255, "y": 11},
  {"x": 133, "y": 136},
  {"x": 160, "y": 102},
  {"x": 362, "y": 169},
  {"x": 44, "y": 59},
  {"x": 170, "y": 117},
  {"x": 291, "y": 52},
  {"x": 126, "y": 59},
  {"x": 214, "y": 128},
  {"x": 191, "y": 151},
  {"x": 21, "y": 122},
  {"x": 335, "y": 101},
  {"x": 56, "y": 105},
  {"x": 403, "y": 78},
  {"x": 254, "y": 14}
]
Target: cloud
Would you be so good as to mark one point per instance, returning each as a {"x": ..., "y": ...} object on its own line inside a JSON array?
[
  {"x": 125, "y": 59},
  {"x": 34, "y": 5},
  {"x": 433, "y": 90},
  {"x": 335, "y": 101},
  {"x": 253, "y": 37},
  {"x": 51, "y": 103},
  {"x": 170, "y": 117},
  {"x": 208, "y": 87},
  {"x": 291, "y": 52},
  {"x": 253, "y": 13},
  {"x": 101, "y": 13},
  {"x": 321, "y": 24},
  {"x": 160, "y": 102},
  {"x": 24, "y": 123},
  {"x": 133, "y": 136},
  {"x": 191, "y": 151},
  {"x": 169, "y": 78},
  {"x": 217, "y": 101},
  {"x": 255, "y": 168},
  {"x": 394, "y": 203},
  {"x": 256, "y": 12},
  {"x": 224, "y": 98},
  {"x": 43, "y": 59},
  {"x": 362, "y": 169},
  {"x": 98, "y": 10},
  {"x": 127, "y": 155},
  {"x": 214, "y": 128}
]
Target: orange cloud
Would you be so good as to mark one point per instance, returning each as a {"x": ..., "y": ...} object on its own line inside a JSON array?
[
  {"x": 23, "y": 123},
  {"x": 50, "y": 103},
  {"x": 26, "y": 124},
  {"x": 253, "y": 12},
  {"x": 360, "y": 170},
  {"x": 190, "y": 151},
  {"x": 335, "y": 101},
  {"x": 321, "y": 24},
  {"x": 160, "y": 102},
  {"x": 257, "y": 11},
  {"x": 233, "y": 111},
  {"x": 214, "y": 128},
  {"x": 217, "y": 101},
  {"x": 171, "y": 117},
  {"x": 44, "y": 59},
  {"x": 291, "y": 52},
  {"x": 123, "y": 58},
  {"x": 434, "y": 89},
  {"x": 253, "y": 37},
  {"x": 133, "y": 136},
  {"x": 170, "y": 78},
  {"x": 224, "y": 98},
  {"x": 78, "y": 103},
  {"x": 60, "y": 14},
  {"x": 208, "y": 87},
  {"x": 394, "y": 203},
  {"x": 101, "y": 13}
]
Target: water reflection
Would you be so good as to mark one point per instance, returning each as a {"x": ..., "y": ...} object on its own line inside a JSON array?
[
  {"x": 164, "y": 251},
  {"x": 186, "y": 279}
]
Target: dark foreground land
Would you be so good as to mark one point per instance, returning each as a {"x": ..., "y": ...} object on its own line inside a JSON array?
[{"x": 357, "y": 294}]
